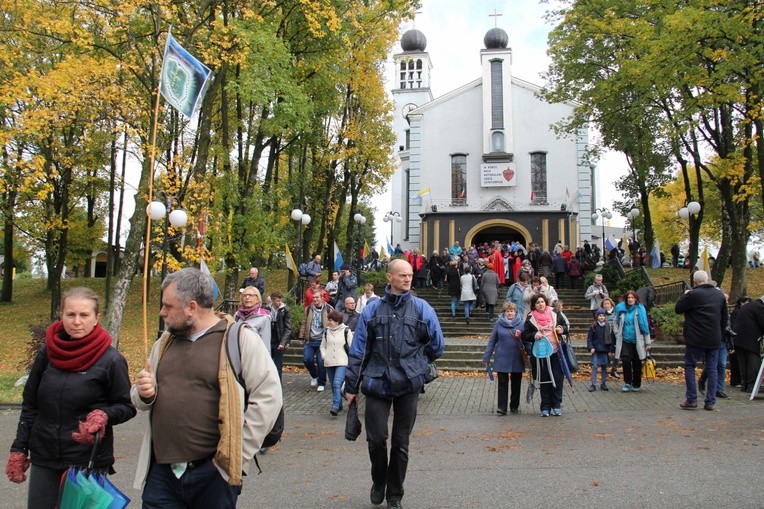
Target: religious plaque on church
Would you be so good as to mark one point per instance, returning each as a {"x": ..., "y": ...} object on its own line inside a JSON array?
[{"x": 498, "y": 175}]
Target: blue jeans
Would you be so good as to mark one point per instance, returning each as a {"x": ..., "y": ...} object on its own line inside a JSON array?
[
  {"x": 468, "y": 305},
  {"x": 201, "y": 487},
  {"x": 337, "y": 375},
  {"x": 311, "y": 357},
  {"x": 392, "y": 473},
  {"x": 454, "y": 305},
  {"x": 278, "y": 359},
  {"x": 721, "y": 369},
  {"x": 692, "y": 355}
]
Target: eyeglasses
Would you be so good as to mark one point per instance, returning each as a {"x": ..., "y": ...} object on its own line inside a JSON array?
[{"x": 248, "y": 295}]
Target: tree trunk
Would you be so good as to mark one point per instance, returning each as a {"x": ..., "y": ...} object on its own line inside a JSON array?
[
  {"x": 7, "y": 290},
  {"x": 130, "y": 261}
]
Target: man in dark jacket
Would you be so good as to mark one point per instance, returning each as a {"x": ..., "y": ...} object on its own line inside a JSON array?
[
  {"x": 749, "y": 326},
  {"x": 349, "y": 315},
  {"x": 281, "y": 329},
  {"x": 254, "y": 279},
  {"x": 346, "y": 287},
  {"x": 705, "y": 318},
  {"x": 403, "y": 336}
]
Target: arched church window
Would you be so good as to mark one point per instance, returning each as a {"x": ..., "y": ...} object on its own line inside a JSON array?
[
  {"x": 459, "y": 179},
  {"x": 403, "y": 65},
  {"x": 419, "y": 63},
  {"x": 411, "y": 65},
  {"x": 538, "y": 178}
]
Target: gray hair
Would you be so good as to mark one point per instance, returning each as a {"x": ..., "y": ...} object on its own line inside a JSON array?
[
  {"x": 700, "y": 277},
  {"x": 191, "y": 284}
]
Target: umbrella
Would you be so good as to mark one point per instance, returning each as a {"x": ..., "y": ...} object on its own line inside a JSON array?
[{"x": 564, "y": 364}]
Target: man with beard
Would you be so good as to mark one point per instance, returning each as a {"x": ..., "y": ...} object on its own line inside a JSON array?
[{"x": 188, "y": 458}]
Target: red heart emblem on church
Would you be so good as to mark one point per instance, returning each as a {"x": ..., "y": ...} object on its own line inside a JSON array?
[{"x": 509, "y": 174}]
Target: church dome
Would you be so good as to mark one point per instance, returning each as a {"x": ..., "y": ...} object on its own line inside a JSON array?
[
  {"x": 413, "y": 40},
  {"x": 496, "y": 38}
]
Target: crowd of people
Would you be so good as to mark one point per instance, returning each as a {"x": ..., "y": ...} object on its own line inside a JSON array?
[{"x": 383, "y": 346}]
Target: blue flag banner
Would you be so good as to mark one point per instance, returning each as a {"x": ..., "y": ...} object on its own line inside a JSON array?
[
  {"x": 338, "y": 260},
  {"x": 609, "y": 245},
  {"x": 655, "y": 254},
  {"x": 184, "y": 79},
  {"x": 205, "y": 270}
]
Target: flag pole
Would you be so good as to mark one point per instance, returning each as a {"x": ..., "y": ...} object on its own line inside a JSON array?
[{"x": 147, "y": 243}]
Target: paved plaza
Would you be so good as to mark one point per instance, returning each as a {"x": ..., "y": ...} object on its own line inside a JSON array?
[{"x": 609, "y": 449}]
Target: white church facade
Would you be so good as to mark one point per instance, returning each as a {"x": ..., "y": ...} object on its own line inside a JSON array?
[{"x": 481, "y": 163}]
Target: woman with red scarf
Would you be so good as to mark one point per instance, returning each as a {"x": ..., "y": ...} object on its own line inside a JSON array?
[
  {"x": 78, "y": 386},
  {"x": 542, "y": 322}
]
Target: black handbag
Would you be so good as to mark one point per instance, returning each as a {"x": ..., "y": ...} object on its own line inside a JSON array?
[{"x": 353, "y": 423}]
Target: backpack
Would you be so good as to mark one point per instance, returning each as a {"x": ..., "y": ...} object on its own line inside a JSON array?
[
  {"x": 234, "y": 358},
  {"x": 302, "y": 269}
]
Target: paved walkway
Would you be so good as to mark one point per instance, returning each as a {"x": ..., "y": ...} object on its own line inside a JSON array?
[{"x": 609, "y": 449}]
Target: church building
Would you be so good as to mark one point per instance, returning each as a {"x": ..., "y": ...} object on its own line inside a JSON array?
[{"x": 482, "y": 163}]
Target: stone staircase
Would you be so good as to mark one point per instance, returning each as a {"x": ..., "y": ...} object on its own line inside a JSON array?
[{"x": 465, "y": 344}]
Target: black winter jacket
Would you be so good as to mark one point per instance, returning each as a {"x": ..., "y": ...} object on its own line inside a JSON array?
[
  {"x": 55, "y": 401},
  {"x": 705, "y": 316},
  {"x": 281, "y": 328}
]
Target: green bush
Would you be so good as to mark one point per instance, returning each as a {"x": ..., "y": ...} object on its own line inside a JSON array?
[{"x": 669, "y": 323}]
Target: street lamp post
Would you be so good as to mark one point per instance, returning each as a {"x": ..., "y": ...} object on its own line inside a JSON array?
[
  {"x": 632, "y": 216},
  {"x": 389, "y": 218},
  {"x": 360, "y": 219},
  {"x": 301, "y": 219},
  {"x": 160, "y": 210},
  {"x": 687, "y": 212},
  {"x": 603, "y": 213}
]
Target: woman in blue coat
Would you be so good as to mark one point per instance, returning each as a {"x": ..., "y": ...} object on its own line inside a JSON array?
[{"x": 508, "y": 363}]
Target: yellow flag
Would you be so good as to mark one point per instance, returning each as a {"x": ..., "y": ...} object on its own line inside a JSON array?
[
  {"x": 706, "y": 265},
  {"x": 290, "y": 261},
  {"x": 366, "y": 249},
  {"x": 382, "y": 253}
]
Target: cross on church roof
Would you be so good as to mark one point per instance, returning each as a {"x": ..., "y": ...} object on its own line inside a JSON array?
[
  {"x": 414, "y": 20},
  {"x": 495, "y": 17}
]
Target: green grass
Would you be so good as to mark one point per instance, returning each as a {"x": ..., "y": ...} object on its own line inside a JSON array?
[{"x": 31, "y": 302}]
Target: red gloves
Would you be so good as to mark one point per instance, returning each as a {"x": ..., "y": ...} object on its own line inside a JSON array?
[
  {"x": 94, "y": 423},
  {"x": 16, "y": 467}
]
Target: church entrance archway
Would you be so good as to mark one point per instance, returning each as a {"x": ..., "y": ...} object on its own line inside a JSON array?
[{"x": 503, "y": 230}]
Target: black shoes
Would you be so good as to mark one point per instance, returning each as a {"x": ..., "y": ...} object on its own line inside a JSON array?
[
  {"x": 514, "y": 410},
  {"x": 688, "y": 406},
  {"x": 501, "y": 411},
  {"x": 603, "y": 387},
  {"x": 592, "y": 388},
  {"x": 722, "y": 395},
  {"x": 394, "y": 504},
  {"x": 377, "y": 494},
  {"x": 701, "y": 388},
  {"x": 708, "y": 407}
]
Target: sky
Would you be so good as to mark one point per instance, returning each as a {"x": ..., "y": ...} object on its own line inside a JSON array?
[{"x": 454, "y": 30}]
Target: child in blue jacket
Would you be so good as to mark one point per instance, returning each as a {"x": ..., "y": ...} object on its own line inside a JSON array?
[{"x": 595, "y": 342}]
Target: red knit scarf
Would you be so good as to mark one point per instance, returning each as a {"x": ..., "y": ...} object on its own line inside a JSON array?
[{"x": 75, "y": 354}]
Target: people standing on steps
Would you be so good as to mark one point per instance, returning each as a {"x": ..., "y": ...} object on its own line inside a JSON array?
[{"x": 596, "y": 293}]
